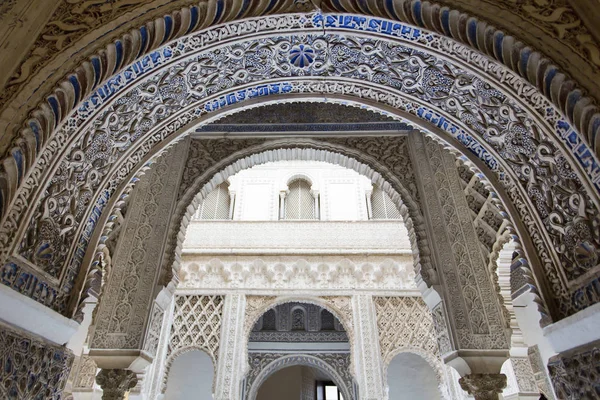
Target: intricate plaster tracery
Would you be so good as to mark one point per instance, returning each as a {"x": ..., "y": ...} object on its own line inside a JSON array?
[
  {"x": 551, "y": 18},
  {"x": 30, "y": 248},
  {"x": 404, "y": 322},
  {"x": 31, "y": 368},
  {"x": 127, "y": 298}
]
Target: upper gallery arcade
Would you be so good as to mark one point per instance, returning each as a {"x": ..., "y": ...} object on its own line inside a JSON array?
[{"x": 350, "y": 196}]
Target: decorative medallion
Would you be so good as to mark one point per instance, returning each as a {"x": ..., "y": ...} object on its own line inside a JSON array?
[{"x": 302, "y": 56}]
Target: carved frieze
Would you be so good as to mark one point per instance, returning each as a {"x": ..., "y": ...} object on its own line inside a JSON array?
[
  {"x": 308, "y": 274},
  {"x": 31, "y": 368},
  {"x": 576, "y": 375}
]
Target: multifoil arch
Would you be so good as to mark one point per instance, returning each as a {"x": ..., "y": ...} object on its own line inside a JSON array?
[{"x": 583, "y": 201}]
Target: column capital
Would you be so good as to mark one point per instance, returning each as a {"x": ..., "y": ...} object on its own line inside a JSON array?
[
  {"x": 483, "y": 386},
  {"x": 115, "y": 383}
]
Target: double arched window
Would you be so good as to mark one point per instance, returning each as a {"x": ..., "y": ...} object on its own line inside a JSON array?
[{"x": 300, "y": 201}]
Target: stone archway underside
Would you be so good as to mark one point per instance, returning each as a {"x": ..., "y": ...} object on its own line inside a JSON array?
[{"x": 516, "y": 139}]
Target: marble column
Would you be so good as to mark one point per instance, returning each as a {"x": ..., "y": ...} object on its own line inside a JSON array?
[
  {"x": 483, "y": 386},
  {"x": 478, "y": 338},
  {"x": 367, "y": 355},
  {"x": 115, "y": 383},
  {"x": 230, "y": 367}
]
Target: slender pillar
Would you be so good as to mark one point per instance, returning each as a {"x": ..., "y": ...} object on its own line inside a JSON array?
[
  {"x": 368, "y": 194},
  {"x": 282, "y": 195},
  {"x": 231, "y": 203},
  {"x": 316, "y": 208},
  {"x": 367, "y": 356},
  {"x": 115, "y": 383},
  {"x": 231, "y": 362}
]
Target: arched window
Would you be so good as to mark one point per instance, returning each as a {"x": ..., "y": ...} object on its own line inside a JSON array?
[
  {"x": 327, "y": 321},
  {"x": 299, "y": 201},
  {"x": 269, "y": 322},
  {"x": 298, "y": 320},
  {"x": 382, "y": 206},
  {"x": 217, "y": 204}
]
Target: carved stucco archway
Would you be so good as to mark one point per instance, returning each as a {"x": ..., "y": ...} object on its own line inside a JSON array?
[
  {"x": 460, "y": 135},
  {"x": 298, "y": 359},
  {"x": 471, "y": 25},
  {"x": 339, "y": 306}
]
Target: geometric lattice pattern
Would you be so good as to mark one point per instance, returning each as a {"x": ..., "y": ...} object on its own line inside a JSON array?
[
  {"x": 404, "y": 322},
  {"x": 197, "y": 324},
  {"x": 299, "y": 203},
  {"x": 382, "y": 206}
]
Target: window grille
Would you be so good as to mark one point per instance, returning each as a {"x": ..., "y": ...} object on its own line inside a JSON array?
[
  {"x": 299, "y": 202},
  {"x": 216, "y": 204},
  {"x": 382, "y": 206}
]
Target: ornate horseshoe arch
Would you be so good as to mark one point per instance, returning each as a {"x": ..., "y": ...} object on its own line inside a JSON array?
[
  {"x": 301, "y": 359},
  {"x": 502, "y": 124},
  {"x": 339, "y": 306}
]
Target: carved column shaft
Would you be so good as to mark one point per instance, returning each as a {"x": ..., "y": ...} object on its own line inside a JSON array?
[
  {"x": 122, "y": 320},
  {"x": 231, "y": 361},
  {"x": 367, "y": 355},
  {"x": 478, "y": 334}
]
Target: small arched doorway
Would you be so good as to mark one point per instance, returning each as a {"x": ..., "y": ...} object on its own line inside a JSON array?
[
  {"x": 190, "y": 376},
  {"x": 411, "y": 377},
  {"x": 299, "y": 350}
]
